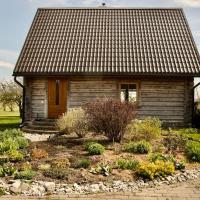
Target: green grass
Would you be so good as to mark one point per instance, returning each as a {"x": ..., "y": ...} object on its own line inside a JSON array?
[{"x": 9, "y": 119}]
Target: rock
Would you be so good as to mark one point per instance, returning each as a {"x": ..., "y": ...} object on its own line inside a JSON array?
[
  {"x": 94, "y": 188},
  {"x": 24, "y": 186},
  {"x": 50, "y": 186},
  {"x": 15, "y": 187}
]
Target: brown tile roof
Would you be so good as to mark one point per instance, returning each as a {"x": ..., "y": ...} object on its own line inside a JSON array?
[{"x": 109, "y": 41}]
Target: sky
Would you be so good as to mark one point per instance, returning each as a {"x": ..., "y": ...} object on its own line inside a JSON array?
[{"x": 16, "y": 17}]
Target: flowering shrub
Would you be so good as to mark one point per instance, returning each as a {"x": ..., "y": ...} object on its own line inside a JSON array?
[{"x": 155, "y": 169}]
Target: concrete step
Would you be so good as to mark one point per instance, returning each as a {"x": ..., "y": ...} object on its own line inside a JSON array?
[{"x": 27, "y": 129}]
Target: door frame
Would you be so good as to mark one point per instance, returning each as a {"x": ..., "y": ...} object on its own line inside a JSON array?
[{"x": 62, "y": 98}]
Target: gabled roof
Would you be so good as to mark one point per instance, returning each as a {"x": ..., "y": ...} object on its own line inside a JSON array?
[{"x": 109, "y": 41}]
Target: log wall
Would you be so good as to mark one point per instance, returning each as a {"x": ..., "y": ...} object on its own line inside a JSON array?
[
  {"x": 169, "y": 99},
  {"x": 81, "y": 92}
]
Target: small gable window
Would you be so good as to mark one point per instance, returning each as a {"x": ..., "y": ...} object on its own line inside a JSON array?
[{"x": 128, "y": 92}]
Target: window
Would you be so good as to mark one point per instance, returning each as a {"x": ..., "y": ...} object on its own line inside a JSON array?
[
  {"x": 57, "y": 91},
  {"x": 128, "y": 92}
]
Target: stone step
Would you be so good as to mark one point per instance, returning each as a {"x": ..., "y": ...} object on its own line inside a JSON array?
[
  {"x": 41, "y": 127},
  {"x": 27, "y": 129},
  {"x": 43, "y": 123}
]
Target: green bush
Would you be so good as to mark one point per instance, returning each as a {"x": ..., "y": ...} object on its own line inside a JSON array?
[
  {"x": 22, "y": 142},
  {"x": 85, "y": 163},
  {"x": 158, "y": 156},
  {"x": 193, "y": 151},
  {"x": 126, "y": 164},
  {"x": 10, "y": 133},
  {"x": 15, "y": 156},
  {"x": 4, "y": 159},
  {"x": 147, "y": 129},
  {"x": 27, "y": 174},
  {"x": 57, "y": 173},
  {"x": 141, "y": 147},
  {"x": 7, "y": 170},
  {"x": 174, "y": 142},
  {"x": 73, "y": 121},
  {"x": 96, "y": 149},
  {"x": 155, "y": 169},
  {"x": 2, "y": 192},
  {"x": 87, "y": 144},
  {"x": 7, "y": 145},
  {"x": 179, "y": 165},
  {"x": 188, "y": 131}
]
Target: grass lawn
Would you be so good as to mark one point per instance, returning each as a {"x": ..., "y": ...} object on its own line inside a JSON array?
[{"x": 9, "y": 119}]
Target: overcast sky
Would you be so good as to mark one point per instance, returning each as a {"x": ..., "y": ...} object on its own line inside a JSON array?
[{"x": 16, "y": 17}]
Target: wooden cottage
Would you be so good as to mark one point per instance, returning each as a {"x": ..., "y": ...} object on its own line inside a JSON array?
[{"x": 74, "y": 55}]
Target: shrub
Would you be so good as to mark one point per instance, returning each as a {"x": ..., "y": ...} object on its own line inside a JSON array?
[
  {"x": 193, "y": 151},
  {"x": 96, "y": 149},
  {"x": 15, "y": 156},
  {"x": 44, "y": 167},
  {"x": 155, "y": 169},
  {"x": 179, "y": 165},
  {"x": 2, "y": 191},
  {"x": 27, "y": 174},
  {"x": 4, "y": 159},
  {"x": 141, "y": 147},
  {"x": 73, "y": 121},
  {"x": 147, "y": 129},
  {"x": 126, "y": 164},
  {"x": 158, "y": 156},
  {"x": 85, "y": 163},
  {"x": 60, "y": 163},
  {"x": 7, "y": 170},
  {"x": 7, "y": 145},
  {"x": 174, "y": 142},
  {"x": 39, "y": 153},
  {"x": 110, "y": 117},
  {"x": 103, "y": 169},
  {"x": 25, "y": 166},
  {"x": 57, "y": 173},
  {"x": 87, "y": 144},
  {"x": 22, "y": 142},
  {"x": 188, "y": 131},
  {"x": 10, "y": 133}
]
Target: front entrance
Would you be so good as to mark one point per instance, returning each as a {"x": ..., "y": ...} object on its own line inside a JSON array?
[{"x": 57, "y": 97}]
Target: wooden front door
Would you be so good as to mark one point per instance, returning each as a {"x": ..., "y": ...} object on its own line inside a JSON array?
[{"x": 57, "y": 96}]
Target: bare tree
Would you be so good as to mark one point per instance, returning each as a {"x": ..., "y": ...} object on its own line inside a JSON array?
[{"x": 11, "y": 95}]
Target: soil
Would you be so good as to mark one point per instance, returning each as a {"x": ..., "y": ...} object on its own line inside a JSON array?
[{"x": 72, "y": 148}]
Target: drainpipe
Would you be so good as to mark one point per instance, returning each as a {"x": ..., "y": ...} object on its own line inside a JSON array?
[
  {"x": 23, "y": 100},
  {"x": 193, "y": 102}
]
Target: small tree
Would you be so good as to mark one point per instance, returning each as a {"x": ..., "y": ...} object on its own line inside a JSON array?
[
  {"x": 11, "y": 95},
  {"x": 110, "y": 117}
]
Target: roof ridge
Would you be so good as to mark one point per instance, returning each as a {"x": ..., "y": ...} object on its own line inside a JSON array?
[{"x": 111, "y": 8}]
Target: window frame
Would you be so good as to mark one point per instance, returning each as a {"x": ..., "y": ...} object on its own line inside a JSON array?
[{"x": 137, "y": 83}]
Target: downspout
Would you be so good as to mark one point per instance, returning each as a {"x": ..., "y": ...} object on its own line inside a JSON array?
[
  {"x": 23, "y": 100},
  {"x": 193, "y": 102}
]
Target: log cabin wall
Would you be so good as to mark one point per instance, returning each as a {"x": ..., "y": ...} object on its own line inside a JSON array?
[
  {"x": 36, "y": 99},
  {"x": 81, "y": 92},
  {"x": 168, "y": 99}
]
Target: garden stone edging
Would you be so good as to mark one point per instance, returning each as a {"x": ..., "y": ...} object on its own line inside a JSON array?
[{"x": 41, "y": 188}]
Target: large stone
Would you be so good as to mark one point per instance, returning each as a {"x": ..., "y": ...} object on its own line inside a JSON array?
[
  {"x": 15, "y": 187},
  {"x": 50, "y": 186}
]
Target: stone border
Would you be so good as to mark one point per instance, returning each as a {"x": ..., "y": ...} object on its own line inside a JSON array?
[{"x": 41, "y": 188}]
